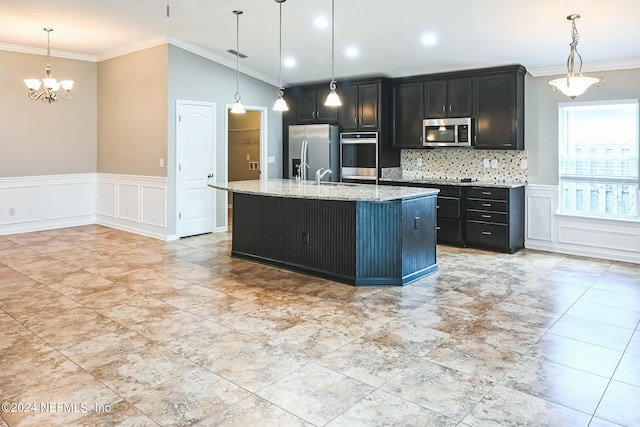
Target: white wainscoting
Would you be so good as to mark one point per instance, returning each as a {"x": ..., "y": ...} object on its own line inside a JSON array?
[
  {"x": 35, "y": 203},
  {"x": 602, "y": 238},
  {"x": 133, "y": 203}
]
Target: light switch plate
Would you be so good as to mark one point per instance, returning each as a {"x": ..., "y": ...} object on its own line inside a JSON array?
[
  {"x": 486, "y": 163},
  {"x": 494, "y": 163}
]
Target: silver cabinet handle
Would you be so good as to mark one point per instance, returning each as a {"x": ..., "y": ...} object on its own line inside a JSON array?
[
  {"x": 486, "y": 216},
  {"x": 486, "y": 205},
  {"x": 450, "y": 108},
  {"x": 486, "y": 193},
  {"x": 355, "y": 121},
  {"x": 486, "y": 233},
  {"x": 444, "y": 108}
]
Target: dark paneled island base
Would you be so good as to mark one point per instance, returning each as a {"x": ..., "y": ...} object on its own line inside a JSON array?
[{"x": 390, "y": 242}]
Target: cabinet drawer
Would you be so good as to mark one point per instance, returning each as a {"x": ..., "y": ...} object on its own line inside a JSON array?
[
  {"x": 488, "y": 193},
  {"x": 449, "y": 231},
  {"x": 448, "y": 190},
  {"x": 485, "y": 234},
  {"x": 448, "y": 207},
  {"x": 487, "y": 216},
  {"x": 487, "y": 205}
]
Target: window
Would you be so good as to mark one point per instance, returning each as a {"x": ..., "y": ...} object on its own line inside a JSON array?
[{"x": 599, "y": 158}]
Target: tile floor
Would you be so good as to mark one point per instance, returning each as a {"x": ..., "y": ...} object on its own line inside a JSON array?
[{"x": 99, "y": 327}]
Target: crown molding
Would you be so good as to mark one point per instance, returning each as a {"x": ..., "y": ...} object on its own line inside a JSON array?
[
  {"x": 43, "y": 52},
  {"x": 196, "y": 50},
  {"x": 590, "y": 68}
]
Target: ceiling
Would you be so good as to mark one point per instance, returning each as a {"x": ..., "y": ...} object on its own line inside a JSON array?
[{"x": 468, "y": 33}]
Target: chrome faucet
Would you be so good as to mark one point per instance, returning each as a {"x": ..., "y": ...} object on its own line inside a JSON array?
[{"x": 320, "y": 173}]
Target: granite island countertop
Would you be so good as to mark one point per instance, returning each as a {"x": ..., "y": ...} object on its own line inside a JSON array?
[
  {"x": 326, "y": 190},
  {"x": 435, "y": 181}
]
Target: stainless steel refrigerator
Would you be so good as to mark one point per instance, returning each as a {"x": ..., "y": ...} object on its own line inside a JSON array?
[{"x": 319, "y": 146}]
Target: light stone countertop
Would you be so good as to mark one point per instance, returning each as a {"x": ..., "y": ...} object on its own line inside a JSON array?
[
  {"x": 435, "y": 181},
  {"x": 326, "y": 190}
]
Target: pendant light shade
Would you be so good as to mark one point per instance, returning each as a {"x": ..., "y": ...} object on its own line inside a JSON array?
[
  {"x": 237, "y": 108},
  {"x": 574, "y": 85},
  {"x": 280, "y": 104},
  {"x": 333, "y": 100}
]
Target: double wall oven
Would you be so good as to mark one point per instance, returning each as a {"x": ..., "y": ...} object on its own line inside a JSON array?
[{"x": 359, "y": 157}]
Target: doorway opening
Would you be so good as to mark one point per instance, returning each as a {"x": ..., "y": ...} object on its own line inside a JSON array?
[{"x": 246, "y": 148}]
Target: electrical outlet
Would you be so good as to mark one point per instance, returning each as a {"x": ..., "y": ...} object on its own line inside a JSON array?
[
  {"x": 419, "y": 161},
  {"x": 161, "y": 163},
  {"x": 12, "y": 211},
  {"x": 494, "y": 163},
  {"x": 524, "y": 164},
  {"x": 486, "y": 163}
]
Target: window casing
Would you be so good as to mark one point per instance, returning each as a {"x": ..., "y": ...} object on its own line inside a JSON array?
[{"x": 599, "y": 164}]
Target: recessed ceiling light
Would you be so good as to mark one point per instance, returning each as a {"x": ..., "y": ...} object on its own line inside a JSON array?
[
  {"x": 289, "y": 62},
  {"x": 351, "y": 52},
  {"x": 321, "y": 23},
  {"x": 429, "y": 39}
]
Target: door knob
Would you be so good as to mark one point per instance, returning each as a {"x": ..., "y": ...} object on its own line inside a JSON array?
[{"x": 210, "y": 175}]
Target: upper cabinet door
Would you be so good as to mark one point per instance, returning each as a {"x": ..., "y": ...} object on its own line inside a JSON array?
[
  {"x": 368, "y": 96},
  {"x": 310, "y": 107},
  {"x": 407, "y": 115},
  {"x": 435, "y": 99},
  {"x": 360, "y": 106},
  {"x": 326, "y": 114},
  {"x": 447, "y": 98},
  {"x": 306, "y": 111},
  {"x": 499, "y": 111},
  {"x": 349, "y": 111},
  {"x": 459, "y": 96}
]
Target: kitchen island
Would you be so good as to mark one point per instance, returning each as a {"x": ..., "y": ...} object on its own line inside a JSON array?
[{"x": 359, "y": 234}]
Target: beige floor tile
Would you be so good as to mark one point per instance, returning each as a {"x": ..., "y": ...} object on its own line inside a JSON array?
[
  {"x": 189, "y": 398},
  {"x": 315, "y": 394},
  {"x": 438, "y": 388},
  {"x": 382, "y": 409},
  {"x": 505, "y": 406},
  {"x": 178, "y": 333}
]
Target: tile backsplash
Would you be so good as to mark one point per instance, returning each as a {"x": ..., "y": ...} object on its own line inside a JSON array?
[{"x": 505, "y": 166}]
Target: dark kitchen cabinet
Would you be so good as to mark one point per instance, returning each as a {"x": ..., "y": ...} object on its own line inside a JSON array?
[
  {"x": 360, "y": 107},
  {"x": 449, "y": 215},
  {"x": 310, "y": 108},
  {"x": 494, "y": 218},
  {"x": 448, "y": 98},
  {"x": 498, "y": 110},
  {"x": 407, "y": 115}
]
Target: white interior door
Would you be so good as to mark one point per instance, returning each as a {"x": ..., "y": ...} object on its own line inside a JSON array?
[{"x": 195, "y": 154}]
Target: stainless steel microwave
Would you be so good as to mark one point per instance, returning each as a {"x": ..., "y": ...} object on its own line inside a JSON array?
[{"x": 454, "y": 132}]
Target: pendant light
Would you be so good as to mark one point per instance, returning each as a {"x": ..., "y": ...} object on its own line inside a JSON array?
[
  {"x": 333, "y": 100},
  {"x": 573, "y": 85},
  {"x": 280, "y": 104},
  {"x": 237, "y": 106}
]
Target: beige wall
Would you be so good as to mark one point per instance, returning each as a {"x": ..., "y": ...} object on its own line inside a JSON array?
[
  {"x": 37, "y": 138},
  {"x": 132, "y": 113}
]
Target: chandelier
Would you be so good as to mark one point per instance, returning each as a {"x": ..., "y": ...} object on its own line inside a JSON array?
[
  {"x": 573, "y": 85},
  {"x": 49, "y": 93}
]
